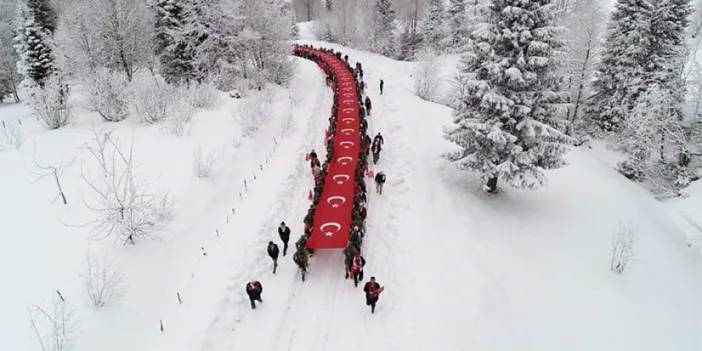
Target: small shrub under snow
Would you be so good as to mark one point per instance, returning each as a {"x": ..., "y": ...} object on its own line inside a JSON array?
[
  {"x": 203, "y": 164},
  {"x": 152, "y": 97},
  {"x": 11, "y": 136},
  {"x": 109, "y": 94},
  {"x": 622, "y": 248},
  {"x": 102, "y": 281},
  {"x": 50, "y": 102}
]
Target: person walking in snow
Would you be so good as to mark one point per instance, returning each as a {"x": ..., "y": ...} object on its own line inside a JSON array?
[
  {"x": 301, "y": 260},
  {"x": 378, "y": 139},
  {"x": 254, "y": 290},
  {"x": 382, "y": 84},
  {"x": 273, "y": 252},
  {"x": 356, "y": 272},
  {"x": 368, "y": 106},
  {"x": 375, "y": 149},
  {"x": 372, "y": 290},
  {"x": 284, "y": 234},
  {"x": 379, "y": 181}
]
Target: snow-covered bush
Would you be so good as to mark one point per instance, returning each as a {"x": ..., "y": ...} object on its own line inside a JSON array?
[
  {"x": 180, "y": 113},
  {"x": 156, "y": 101},
  {"x": 101, "y": 280},
  {"x": 50, "y": 102},
  {"x": 124, "y": 208},
  {"x": 426, "y": 76},
  {"x": 11, "y": 136},
  {"x": 622, "y": 248},
  {"x": 253, "y": 110},
  {"x": 152, "y": 97},
  {"x": 109, "y": 94},
  {"x": 55, "y": 329},
  {"x": 203, "y": 164},
  {"x": 632, "y": 170},
  {"x": 203, "y": 95}
]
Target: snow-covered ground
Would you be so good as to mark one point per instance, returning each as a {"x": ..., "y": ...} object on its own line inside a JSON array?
[{"x": 462, "y": 270}]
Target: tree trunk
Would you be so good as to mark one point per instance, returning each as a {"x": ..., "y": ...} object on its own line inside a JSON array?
[
  {"x": 491, "y": 185},
  {"x": 569, "y": 130}
]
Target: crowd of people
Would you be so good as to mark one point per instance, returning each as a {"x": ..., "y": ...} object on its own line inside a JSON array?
[{"x": 354, "y": 261}]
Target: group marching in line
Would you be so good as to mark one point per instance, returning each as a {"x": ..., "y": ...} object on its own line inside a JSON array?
[{"x": 354, "y": 262}]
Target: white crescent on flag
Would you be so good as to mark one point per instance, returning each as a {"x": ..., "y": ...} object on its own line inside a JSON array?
[
  {"x": 344, "y": 160},
  {"x": 341, "y": 178},
  {"x": 336, "y": 227}
]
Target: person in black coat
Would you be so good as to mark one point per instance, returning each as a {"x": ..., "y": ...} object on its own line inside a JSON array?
[
  {"x": 273, "y": 253},
  {"x": 284, "y": 234},
  {"x": 378, "y": 139},
  {"x": 382, "y": 84},
  {"x": 368, "y": 106},
  {"x": 254, "y": 290},
  {"x": 379, "y": 181}
]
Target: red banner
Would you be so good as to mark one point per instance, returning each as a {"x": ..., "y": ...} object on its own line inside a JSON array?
[{"x": 332, "y": 218}]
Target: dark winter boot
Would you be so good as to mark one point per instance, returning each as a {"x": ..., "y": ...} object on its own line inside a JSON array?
[{"x": 253, "y": 305}]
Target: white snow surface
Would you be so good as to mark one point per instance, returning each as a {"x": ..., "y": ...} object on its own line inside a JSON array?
[{"x": 463, "y": 270}]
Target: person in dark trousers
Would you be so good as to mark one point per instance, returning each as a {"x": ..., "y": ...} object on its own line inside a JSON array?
[
  {"x": 379, "y": 181},
  {"x": 301, "y": 260},
  {"x": 273, "y": 253},
  {"x": 284, "y": 234},
  {"x": 376, "y": 152},
  {"x": 368, "y": 106},
  {"x": 372, "y": 290},
  {"x": 357, "y": 264},
  {"x": 382, "y": 84},
  {"x": 378, "y": 139},
  {"x": 254, "y": 290}
]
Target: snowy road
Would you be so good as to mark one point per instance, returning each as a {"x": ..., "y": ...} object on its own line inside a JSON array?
[{"x": 520, "y": 270}]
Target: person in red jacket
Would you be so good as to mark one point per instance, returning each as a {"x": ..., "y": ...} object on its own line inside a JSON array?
[
  {"x": 254, "y": 290},
  {"x": 372, "y": 290},
  {"x": 356, "y": 272}
]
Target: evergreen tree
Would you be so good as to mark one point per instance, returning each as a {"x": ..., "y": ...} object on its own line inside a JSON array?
[
  {"x": 181, "y": 29},
  {"x": 432, "y": 27},
  {"x": 328, "y": 5},
  {"x": 654, "y": 124},
  {"x": 409, "y": 42},
  {"x": 505, "y": 121},
  {"x": 457, "y": 24},
  {"x": 620, "y": 76},
  {"x": 383, "y": 37},
  {"x": 44, "y": 14},
  {"x": 33, "y": 45},
  {"x": 645, "y": 45}
]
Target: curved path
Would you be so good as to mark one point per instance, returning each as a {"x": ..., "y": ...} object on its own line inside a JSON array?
[{"x": 332, "y": 218}]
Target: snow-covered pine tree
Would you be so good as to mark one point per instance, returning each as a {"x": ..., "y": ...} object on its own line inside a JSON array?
[
  {"x": 458, "y": 32},
  {"x": 411, "y": 37},
  {"x": 328, "y": 5},
  {"x": 620, "y": 75},
  {"x": 180, "y": 30},
  {"x": 669, "y": 23},
  {"x": 383, "y": 36},
  {"x": 432, "y": 27},
  {"x": 44, "y": 14},
  {"x": 33, "y": 45},
  {"x": 654, "y": 125},
  {"x": 506, "y": 118}
]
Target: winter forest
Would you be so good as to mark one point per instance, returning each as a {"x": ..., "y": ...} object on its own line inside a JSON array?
[{"x": 384, "y": 174}]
